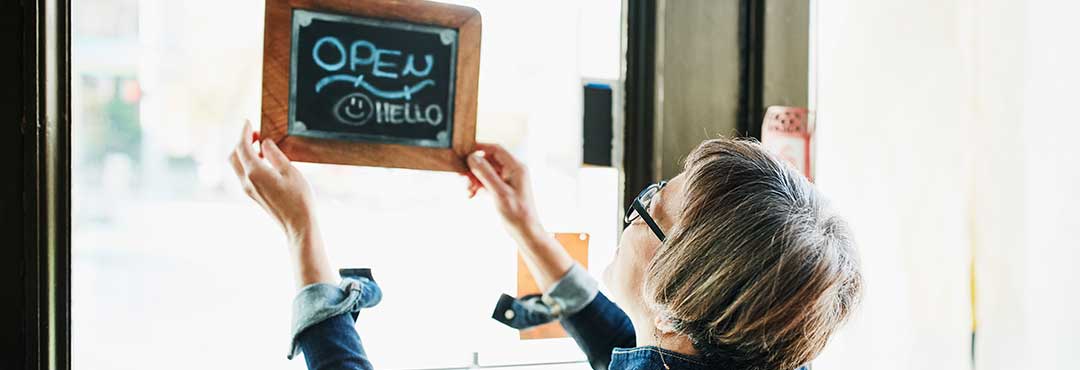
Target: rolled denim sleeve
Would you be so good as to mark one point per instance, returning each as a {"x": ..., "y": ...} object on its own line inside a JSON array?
[
  {"x": 333, "y": 345},
  {"x": 575, "y": 290},
  {"x": 320, "y": 302},
  {"x": 572, "y": 293}
]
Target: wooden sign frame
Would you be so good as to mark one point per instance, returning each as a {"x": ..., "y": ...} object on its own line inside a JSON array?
[{"x": 277, "y": 44}]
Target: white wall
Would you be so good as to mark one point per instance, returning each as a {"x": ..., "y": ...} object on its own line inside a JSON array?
[
  {"x": 893, "y": 108},
  {"x": 1027, "y": 294},
  {"x": 946, "y": 135}
]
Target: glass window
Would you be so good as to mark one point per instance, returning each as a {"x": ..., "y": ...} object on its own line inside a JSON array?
[{"x": 174, "y": 266}]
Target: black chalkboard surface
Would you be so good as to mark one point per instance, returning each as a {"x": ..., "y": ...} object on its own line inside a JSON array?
[{"x": 362, "y": 79}]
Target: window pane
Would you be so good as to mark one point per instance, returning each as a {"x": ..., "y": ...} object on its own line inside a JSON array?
[{"x": 174, "y": 266}]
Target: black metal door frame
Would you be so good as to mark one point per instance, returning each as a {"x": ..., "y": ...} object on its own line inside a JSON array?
[
  {"x": 640, "y": 101},
  {"x": 35, "y": 199},
  {"x": 640, "y": 86},
  {"x": 751, "y": 67}
]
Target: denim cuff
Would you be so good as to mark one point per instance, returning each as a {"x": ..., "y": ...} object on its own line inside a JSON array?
[
  {"x": 318, "y": 302},
  {"x": 572, "y": 292},
  {"x": 522, "y": 313},
  {"x": 575, "y": 290}
]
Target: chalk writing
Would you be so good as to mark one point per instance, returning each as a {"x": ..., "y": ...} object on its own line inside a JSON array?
[
  {"x": 363, "y": 53},
  {"x": 354, "y": 109},
  {"x": 408, "y": 113},
  {"x": 406, "y": 91},
  {"x": 370, "y": 79}
]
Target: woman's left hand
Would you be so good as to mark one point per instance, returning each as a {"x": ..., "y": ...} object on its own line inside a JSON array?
[{"x": 269, "y": 178}]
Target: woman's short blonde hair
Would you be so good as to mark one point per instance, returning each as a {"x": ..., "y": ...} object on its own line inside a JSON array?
[{"x": 756, "y": 270}]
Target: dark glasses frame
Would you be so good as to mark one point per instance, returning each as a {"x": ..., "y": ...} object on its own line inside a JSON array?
[{"x": 640, "y": 208}]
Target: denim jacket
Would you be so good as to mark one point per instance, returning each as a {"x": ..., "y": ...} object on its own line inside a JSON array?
[
  {"x": 324, "y": 317},
  {"x": 601, "y": 329}
]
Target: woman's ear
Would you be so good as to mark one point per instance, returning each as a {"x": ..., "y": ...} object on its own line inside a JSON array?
[{"x": 664, "y": 324}]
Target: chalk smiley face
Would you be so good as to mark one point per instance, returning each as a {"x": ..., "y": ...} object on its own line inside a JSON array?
[{"x": 355, "y": 109}]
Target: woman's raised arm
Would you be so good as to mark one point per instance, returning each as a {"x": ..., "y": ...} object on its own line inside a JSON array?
[
  {"x": 507, "y": 179},
  {"x": 595, "y": 323},
  {"x": 270, "y": 179},
  {"x": 323, "y": 311}
]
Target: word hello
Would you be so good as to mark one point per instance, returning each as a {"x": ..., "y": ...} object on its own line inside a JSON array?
[{"x": 408, "y": 113}]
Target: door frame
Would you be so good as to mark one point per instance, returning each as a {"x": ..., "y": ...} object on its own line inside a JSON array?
[{"x": 35, "y": 273}]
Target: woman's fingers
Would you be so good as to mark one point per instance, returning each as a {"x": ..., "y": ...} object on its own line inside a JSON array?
[
  {"x": 249, "y": 160},
  {"x": 277, "y": 159},
  {"x": 500, "y": 154},
  {"x": 487, "y": 174},
  {"x": 245, "y": 182},
  {"x": 472, "y": 184},
  {"x": 243, "y": 149},
  {"x": 474, "y": 188},
  {"x": 509, "y": 168},
  {"x": 250, "y": 169},
  {"x": 234, "y": 162}
]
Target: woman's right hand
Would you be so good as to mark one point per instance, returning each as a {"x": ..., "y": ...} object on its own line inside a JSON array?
[
  {"x": 495, "y": 169},
  {"x": 507, "y": 179}
]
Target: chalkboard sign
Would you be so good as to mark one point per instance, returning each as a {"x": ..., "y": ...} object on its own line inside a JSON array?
[
  {"x": 371, "y": 80},
  {"x": 378, "y": 82}
]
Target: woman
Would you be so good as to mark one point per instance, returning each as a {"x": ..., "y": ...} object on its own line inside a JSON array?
[{"x": 736, "y": 263}]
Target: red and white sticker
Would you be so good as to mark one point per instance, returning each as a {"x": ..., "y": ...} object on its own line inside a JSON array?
[{"x": 785, "y": 132}]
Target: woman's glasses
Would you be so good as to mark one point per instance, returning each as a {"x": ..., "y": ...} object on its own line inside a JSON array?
[{"x": 640, "y": 208}]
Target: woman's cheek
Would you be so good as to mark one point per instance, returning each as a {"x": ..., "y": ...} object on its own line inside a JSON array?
[
  {"x": 617, "y": 276},
  {"x": 618, "y": 273},
  {"x": 611, "y": 274}
]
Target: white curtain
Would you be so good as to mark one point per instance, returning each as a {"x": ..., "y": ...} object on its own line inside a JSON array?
[{"x": 947, "y": 133}]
